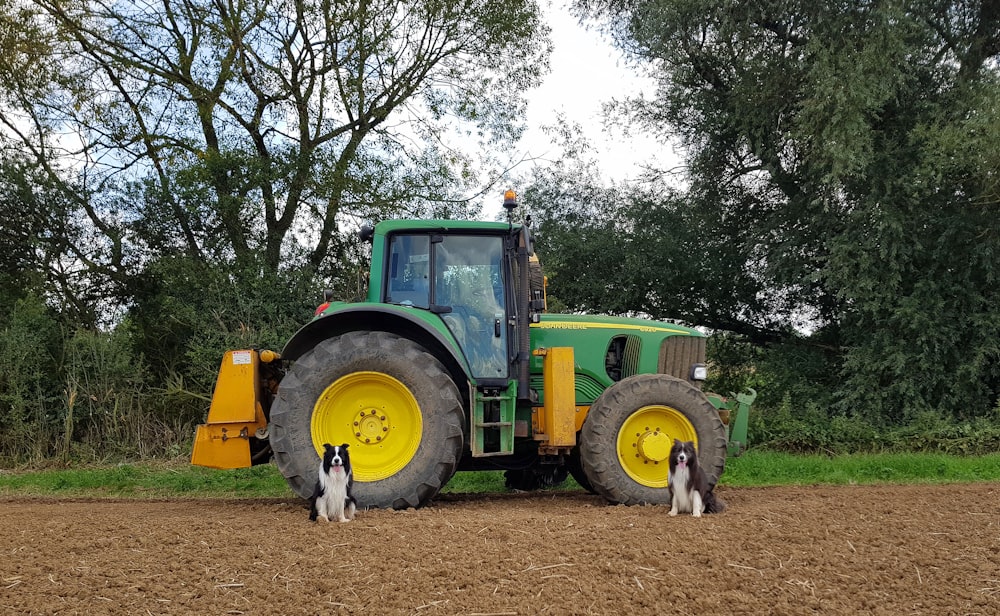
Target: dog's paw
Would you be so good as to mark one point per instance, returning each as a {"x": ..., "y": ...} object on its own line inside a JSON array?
[
  {"x": 322, "y": 518},
  {"x": 696, "y": 514},
  {"x": 672, "y": 512}
]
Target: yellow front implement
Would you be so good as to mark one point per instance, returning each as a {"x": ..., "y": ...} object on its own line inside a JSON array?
[{"x": 236, "y": 414}]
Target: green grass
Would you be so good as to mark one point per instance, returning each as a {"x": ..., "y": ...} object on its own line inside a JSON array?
[
  {"x": 476, "y": 482},
  {"x": 755, "y": 468},
  {"x": 759, "y": 468},
  {"x": 147, "y": 480}
]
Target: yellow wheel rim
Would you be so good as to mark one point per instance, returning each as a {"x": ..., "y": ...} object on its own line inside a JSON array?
[
  {"x": 376, "y": 415},
  {"x": 645, "y": 439}
]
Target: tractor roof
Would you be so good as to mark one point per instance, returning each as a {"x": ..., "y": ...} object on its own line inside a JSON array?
[{"x": 392, "y": 226}]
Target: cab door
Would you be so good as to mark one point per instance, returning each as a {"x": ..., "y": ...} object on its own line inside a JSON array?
[{"x": 469, "y": 278}]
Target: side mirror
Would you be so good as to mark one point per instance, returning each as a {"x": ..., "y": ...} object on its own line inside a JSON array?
[{"x": 367, "y": 233}]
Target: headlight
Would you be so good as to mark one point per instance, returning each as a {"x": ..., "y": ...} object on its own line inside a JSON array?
[{"x": 699, "y": 372}]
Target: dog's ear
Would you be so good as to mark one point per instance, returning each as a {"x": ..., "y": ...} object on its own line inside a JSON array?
[
  {"x": 327, "y": 447},
  {"x": 344, "y": 446},
  {"x": 677, "y": 441}
]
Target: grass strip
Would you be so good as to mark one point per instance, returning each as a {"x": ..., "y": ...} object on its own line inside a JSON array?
[
  {"x": 760, "y": 468},
  {"x": 177, "y": 479}
]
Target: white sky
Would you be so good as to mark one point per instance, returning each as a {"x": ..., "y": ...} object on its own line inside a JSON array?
[{"x": 586, "y": 71}]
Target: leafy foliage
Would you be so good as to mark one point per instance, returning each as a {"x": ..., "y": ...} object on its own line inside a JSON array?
[
  {"x": 811, "y": 429},
  {"x": 258, "y": 134},
  {"x": 844, "y": 155},
  {"x": 187, "y": 314},
  {"x": 29, "y": 395}
]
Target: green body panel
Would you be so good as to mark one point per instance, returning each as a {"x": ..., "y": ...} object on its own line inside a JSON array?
[
  {"x": 589, "y": 336},
  {"x": 738, "y": 407}
]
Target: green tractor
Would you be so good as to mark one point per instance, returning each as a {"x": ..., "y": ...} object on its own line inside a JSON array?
[{"x": 453, "y": 364}]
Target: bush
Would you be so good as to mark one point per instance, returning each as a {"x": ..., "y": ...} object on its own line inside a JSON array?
[
  {"x": 813, "y": 430},
  {"x": 29, "y": 393},
  {"x": 79, "y": 396}
]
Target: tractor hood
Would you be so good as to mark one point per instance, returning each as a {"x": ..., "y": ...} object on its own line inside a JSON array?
[{"x": 608, "y": 349}]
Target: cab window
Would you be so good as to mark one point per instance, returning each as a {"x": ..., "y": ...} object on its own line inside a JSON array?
[{"x": 408, "y": 281}]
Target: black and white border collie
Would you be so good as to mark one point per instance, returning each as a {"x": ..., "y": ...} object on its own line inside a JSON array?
[
  {"x": 689, "y": 491},
  {"x": 332, "y": 500}
]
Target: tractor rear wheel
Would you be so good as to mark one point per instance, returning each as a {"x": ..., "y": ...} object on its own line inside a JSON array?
[
  {"x": 575, "y": 469},
  {"x": 630, "y": 428},
  {"x": 386, "y": 397}
]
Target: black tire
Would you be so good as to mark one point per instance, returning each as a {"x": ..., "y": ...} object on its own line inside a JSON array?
[
  {"x": 575, "y": 469},
  {"x": 664, "y": 408},
  {"x": 438, "y": 451}
]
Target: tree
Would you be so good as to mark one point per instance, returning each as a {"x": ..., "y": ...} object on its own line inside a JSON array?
[
  {"x": 251, "y": 132},
  {"x": 857, "y": 143}
]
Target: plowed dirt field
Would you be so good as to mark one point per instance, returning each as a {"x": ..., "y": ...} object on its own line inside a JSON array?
[{"x": 811, "y": 550}]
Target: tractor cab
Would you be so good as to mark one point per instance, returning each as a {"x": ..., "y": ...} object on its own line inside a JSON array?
[{"x": 472, "y": 281}]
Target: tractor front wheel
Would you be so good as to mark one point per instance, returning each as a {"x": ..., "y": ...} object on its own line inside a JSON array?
[
  {"x": 626, "y": 439},
  {"x": 386, "y": 397}
]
